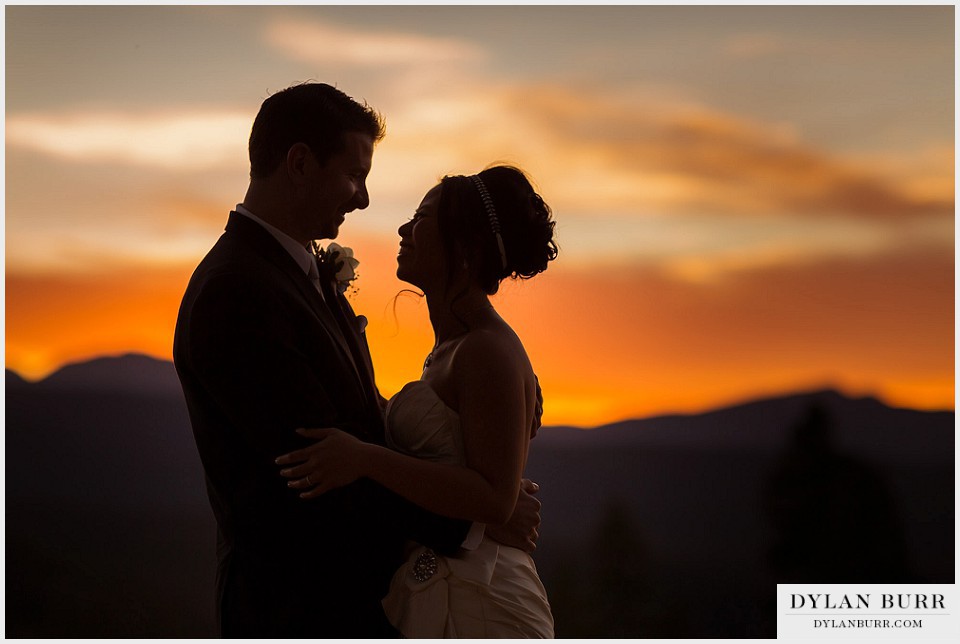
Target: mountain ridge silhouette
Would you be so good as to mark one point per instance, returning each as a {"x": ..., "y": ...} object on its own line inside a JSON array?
[
  {"x": 141, "y": 373},
  {"x": 126, "y": 372}
]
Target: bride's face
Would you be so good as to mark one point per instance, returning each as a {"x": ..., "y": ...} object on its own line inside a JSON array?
[{"x": 420, "y": 260}]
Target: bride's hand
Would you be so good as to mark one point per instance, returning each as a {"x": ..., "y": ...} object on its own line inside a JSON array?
[{"x": 332, "y": 462}]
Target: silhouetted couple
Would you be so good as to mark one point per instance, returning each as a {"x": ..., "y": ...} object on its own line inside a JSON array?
[{"x": 341, "y": 514}]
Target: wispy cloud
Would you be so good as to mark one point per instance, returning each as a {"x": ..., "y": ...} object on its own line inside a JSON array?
[
  {"x": 705, "y": 249},
  {"x": 170, "y": 140},
  {"x": 719, "y": 162},
  {"x": 322, "y": 43},
  {"x": 602, "y": 154}
]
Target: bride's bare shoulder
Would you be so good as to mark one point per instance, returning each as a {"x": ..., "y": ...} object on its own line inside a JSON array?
[{"x": 493, "y": 349}]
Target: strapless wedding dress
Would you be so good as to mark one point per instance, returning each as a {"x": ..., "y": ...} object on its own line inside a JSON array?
[{"x": 492, "y": 591}]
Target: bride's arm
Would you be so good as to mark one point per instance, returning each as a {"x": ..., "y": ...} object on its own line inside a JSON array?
[{"x": 492, "y": 410}]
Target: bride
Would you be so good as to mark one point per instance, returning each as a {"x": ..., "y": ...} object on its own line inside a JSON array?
[{"x": 459, "y": 436}]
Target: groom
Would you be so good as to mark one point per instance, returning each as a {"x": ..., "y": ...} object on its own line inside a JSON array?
[{"x": 265, "y": 344}]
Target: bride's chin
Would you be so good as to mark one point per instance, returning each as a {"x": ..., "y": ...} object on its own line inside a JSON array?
[
  {"x": 404, "y": 276},
  {"x": 415, "y": 284}
]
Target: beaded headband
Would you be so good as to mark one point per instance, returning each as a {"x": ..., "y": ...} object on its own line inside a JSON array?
[{"x": 492, "y": 215}]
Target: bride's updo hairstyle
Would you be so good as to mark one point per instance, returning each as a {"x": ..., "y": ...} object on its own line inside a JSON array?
[{"x": 497, "y": 224}]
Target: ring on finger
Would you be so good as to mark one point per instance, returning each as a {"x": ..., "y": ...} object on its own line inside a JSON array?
[{"x": 308, "y": 480}]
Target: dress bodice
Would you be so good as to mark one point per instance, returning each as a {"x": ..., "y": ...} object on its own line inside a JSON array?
[
  {"x": 419, "y": 423},
  {"x": 486, "y": 592}
]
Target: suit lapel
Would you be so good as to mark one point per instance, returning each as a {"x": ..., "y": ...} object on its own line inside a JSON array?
[
  {"x": 325, "y": 315},
  {"x": 268, "y": 247},
  {"x": 347, "y": 322}
]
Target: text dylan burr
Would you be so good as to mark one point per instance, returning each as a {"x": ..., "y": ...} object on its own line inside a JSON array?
[{"x": 887, "y": 601}]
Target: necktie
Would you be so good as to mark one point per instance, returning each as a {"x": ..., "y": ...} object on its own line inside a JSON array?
[{"x": 314, "y": 274}]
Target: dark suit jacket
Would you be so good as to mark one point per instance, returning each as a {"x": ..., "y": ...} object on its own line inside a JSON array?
[{"x": 259, "y": 354}]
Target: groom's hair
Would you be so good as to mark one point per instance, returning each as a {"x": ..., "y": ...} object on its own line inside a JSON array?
[{"x": 312, "y": 113}]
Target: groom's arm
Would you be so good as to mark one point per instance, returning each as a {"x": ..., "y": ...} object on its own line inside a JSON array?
[
  {"x": 259, "y": 376},
  {"x": 446, "y": 535},
  {"x": 443, "y": 534}
]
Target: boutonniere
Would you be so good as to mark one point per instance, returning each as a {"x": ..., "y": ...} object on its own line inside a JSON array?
[{"x": 337, "y": 263}]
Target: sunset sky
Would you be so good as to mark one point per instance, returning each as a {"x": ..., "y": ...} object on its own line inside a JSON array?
[{"x": 750, "y": 200}]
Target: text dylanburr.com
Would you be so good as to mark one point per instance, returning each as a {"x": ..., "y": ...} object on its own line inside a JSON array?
[{"x": 872, "y": 611}]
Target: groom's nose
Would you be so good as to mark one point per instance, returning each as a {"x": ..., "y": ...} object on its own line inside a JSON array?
[{"x": 362, "y": 198}]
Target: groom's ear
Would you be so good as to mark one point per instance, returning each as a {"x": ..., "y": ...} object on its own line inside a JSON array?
[{"x": 298, "y": 157}]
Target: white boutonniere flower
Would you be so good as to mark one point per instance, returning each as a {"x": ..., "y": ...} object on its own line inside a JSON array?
[{"x": 338, "y": 264}]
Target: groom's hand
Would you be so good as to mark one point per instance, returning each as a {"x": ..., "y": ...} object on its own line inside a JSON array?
[{"x": 523, "y": 528}]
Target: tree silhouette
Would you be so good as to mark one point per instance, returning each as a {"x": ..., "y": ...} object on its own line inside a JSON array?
[
  {"x": 607, "y": 588},
  {"x": 833, "y": 515}
]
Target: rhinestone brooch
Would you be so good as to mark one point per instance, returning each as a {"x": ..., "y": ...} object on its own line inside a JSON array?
[{"x": 425, "y": 566}]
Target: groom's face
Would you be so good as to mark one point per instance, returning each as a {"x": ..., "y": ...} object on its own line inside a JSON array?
[{"x": 338, "y": 186}]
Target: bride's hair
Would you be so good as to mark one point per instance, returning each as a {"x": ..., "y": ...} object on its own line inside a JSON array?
[{"x": 470, "y": 224}]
